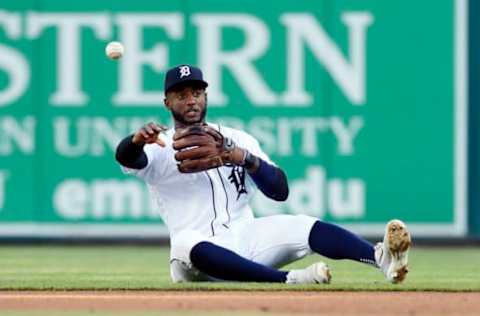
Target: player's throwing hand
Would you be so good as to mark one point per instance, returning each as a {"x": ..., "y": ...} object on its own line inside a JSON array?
[{"x": 149, "y": 134}]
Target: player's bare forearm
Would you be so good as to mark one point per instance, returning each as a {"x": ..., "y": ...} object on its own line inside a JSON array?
[{"x": 242, "y": 157}]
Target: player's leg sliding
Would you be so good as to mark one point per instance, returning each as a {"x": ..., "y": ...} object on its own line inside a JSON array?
[
  {"x": 223, "y": 264},
  {"x": 391, "y": 255},
  {"x": 328, "y": 240},
  {"x": 335, "y": 242}
]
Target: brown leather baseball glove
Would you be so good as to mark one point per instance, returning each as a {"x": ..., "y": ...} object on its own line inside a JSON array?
[{"x": 201, "y": 147}]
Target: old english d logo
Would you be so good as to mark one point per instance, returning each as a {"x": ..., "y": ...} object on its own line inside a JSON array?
[
  {"x": 237, "y": 177},
  {"x": 184, "y": 71}
]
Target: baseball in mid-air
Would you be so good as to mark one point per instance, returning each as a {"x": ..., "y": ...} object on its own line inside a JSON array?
[{"x": 114, "y": 50}]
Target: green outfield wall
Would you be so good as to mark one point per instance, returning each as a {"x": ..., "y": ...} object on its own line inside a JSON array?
[{"x": 363, "y": 103}]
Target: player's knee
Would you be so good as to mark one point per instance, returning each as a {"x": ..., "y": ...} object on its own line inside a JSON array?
[
  {"x": 305, "y": 221},
  {"x": 182, "y": 244},
  {"x": 301, "y": 226}
]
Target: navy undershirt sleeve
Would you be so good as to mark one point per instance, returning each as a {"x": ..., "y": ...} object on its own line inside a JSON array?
[
  {"x": 271, "y": 180},
  {"x": 131, "y": 155}
]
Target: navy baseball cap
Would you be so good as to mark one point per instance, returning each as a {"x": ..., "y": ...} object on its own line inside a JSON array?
[{"x": 182, "y": 74}]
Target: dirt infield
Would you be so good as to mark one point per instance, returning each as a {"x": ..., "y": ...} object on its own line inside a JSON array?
[{"x": 318, "y": 303}]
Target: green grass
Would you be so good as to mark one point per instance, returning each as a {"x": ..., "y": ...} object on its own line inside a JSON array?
[{"x": 118, "y": 268}]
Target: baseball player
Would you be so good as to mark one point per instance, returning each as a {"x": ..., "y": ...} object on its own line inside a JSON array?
[{"x": 203, "y": 176}]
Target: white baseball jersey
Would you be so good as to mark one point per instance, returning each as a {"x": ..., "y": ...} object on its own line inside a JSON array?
[
  {"x": 209, "y": 202},
  {"x": 214, "y": 206}
]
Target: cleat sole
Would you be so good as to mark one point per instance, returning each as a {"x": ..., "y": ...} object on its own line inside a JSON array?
[{"x": 399, "y": 242}]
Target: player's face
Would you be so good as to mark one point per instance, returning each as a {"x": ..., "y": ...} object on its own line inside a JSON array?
[{"x": 187, "y": 104}]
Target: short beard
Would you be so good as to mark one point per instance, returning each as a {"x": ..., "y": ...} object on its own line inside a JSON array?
[{"x": 179, "y": 117}]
